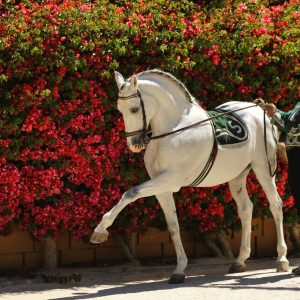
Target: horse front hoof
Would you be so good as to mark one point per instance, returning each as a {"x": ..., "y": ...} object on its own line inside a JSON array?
[
  {"x": 98, "y": 237},
  {"x": 176, "y": 278},
  {"x": 237, "y": 268},
  {"x": 282, "y": 266}
]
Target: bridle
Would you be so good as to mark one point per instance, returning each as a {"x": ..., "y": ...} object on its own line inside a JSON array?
[{"x": 144, "y": 131}]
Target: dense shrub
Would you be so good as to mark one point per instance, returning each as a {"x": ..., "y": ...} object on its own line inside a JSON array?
[{"x": 63, "y": 161}]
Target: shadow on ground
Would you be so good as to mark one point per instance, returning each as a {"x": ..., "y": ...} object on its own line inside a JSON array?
[{"x": 122, "y": 280}]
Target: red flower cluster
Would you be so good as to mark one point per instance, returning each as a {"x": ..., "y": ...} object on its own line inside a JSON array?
[
  {"x": 9, "y": 194},
  {"x": 63, "y": 161}
]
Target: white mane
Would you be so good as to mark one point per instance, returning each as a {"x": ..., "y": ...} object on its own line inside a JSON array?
[{"x": 161, "y": 77}]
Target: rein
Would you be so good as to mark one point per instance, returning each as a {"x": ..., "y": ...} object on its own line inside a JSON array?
[
  {"x": 200, "y": 122},
  {"x": 156, "y": 137},
  {"x": 146, "y": 135},
  {"x": 272, "y": 174}
]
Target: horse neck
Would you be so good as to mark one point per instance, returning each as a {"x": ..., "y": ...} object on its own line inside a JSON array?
[{"x": 170, "y": 108}]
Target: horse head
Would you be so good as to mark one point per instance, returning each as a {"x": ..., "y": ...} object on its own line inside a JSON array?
[{"x": 134, "y": 112}]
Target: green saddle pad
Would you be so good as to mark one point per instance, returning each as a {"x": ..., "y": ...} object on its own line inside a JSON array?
[{"x": 229, "y": 129}]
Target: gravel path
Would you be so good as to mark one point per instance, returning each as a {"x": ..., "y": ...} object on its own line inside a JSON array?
[{"x": 206, "y": 279}]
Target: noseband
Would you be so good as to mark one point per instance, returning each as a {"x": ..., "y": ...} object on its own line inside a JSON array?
[{"x": 143, "y": 131}]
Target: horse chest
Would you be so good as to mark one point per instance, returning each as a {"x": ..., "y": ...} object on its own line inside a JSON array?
[{"x": 153, "y": 159}]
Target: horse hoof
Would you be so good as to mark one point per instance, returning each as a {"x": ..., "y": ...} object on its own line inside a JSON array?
[
  {"x": 98, "y": 237},
  {"x": 177, "y": 278},
  {"x": 282, "y": 266},
  {"x": 237, "y": 268},
  {"x": 296, "y": 271}
]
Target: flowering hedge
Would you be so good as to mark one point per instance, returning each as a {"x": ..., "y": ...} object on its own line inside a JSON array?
[{"x": 63, "y": 161}]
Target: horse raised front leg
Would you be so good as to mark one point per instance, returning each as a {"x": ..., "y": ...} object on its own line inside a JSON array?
[
  {"x": 160, "y": 184},
  {"x": 167, "y": 204},
  {"x": 239, "y": 193}
]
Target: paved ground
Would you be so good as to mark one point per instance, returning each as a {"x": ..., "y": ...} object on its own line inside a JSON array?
[{"x": 206, "y": 279}]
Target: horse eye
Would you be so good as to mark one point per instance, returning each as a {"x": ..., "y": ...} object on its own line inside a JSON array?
[{"x": 134, "y": 110}]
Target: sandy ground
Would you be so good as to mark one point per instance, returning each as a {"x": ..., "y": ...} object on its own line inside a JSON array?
[{"x": 206, "y": 279}]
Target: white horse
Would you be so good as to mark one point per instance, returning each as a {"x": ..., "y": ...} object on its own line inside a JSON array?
[{"x": 158, "y": 100}]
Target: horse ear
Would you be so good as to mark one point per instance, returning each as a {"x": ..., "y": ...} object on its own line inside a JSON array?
[
  {"x": 119, "y": 79},
  {"x": 133, "y": 82}
]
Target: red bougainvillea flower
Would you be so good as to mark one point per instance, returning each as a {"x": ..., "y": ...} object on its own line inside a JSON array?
[{"x": 63, "y": 156}]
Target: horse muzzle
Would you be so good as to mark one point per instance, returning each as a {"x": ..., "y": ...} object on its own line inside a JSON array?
[
  {"x": 136, "y": 148},
  {"x": 136, "y": 143}
]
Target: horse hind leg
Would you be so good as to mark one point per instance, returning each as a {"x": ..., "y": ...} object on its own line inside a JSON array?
[
  {"x": 268, "y": 184},
  {"x": 244, "y": 205}
]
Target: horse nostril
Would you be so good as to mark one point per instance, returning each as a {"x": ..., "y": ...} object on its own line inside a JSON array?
[{"x": 137, "y": 140}]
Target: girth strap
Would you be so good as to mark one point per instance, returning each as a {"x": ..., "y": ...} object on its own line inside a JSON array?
[
  {"x": 210, "y": 161},
  {"x": 208, "y": 166}
]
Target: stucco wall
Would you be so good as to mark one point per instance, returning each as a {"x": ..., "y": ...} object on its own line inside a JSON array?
[{"x": 19, "y": 251}]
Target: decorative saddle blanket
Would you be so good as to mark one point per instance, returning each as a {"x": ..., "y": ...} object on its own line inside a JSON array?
[{"x": 229, "y": 128}]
